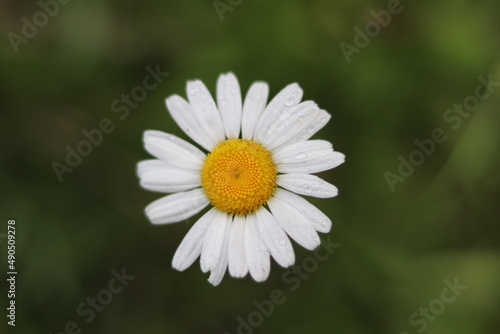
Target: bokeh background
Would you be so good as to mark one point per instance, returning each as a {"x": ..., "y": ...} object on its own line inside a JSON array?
[{"x": 396, "y": 247}]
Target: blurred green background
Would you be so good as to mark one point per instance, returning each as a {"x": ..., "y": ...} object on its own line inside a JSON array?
[{"x": 396, "y": 247}]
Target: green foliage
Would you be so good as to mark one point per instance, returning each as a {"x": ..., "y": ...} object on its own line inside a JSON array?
[{"x": 396, "y": 247}]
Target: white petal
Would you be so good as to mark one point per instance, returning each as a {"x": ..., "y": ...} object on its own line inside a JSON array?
[
  {"x": 148, "y": 165},
  {"x": 291, "y": 122},
  {"x": 318, "y": 219},
  {"x": 184, "y": 116},
  {"x": 302, "y": 151},
  {"x": 259, "y": 263},
  {"x": 314, "y": 165},
  {"x": 170, "y": 179},
  {"x": 229, "y": 103},
  {"x": 176, "y": 207},
  {"x": 173, "y": 150},
  {"x": 212, "y": 244},
  {"x": 219, "y": 270},
  {"x": 276, "y": 110},
  {"x": 306, "y": 132},
  {"x": 204, "y": 108},
  {"x": 190, "y": 247},
  {"x": 255, "y": 102},
  {"x": 293, "y": 222},
  {"x": 275, "y": 238},
  {"x": 237, "y": 261},
  {"x": 308, "y": 185}
]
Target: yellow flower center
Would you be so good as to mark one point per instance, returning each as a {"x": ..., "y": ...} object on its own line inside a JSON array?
[{"x": 238, "y": 176}]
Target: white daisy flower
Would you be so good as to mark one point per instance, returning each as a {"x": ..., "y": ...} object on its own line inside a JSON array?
[{"x": 260, "y": 157}]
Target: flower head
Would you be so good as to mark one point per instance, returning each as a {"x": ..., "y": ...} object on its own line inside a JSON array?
[{"x": 259, "y": 158}]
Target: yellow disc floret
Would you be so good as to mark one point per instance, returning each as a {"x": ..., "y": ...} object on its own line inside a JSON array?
[{"x": 238, "y": 176}]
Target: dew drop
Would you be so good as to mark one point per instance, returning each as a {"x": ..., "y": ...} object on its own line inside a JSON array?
[{"x": 289, "y": 102}]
